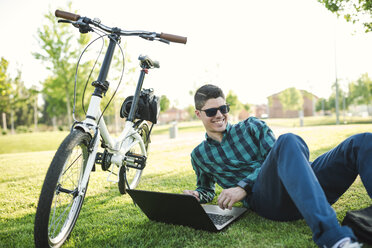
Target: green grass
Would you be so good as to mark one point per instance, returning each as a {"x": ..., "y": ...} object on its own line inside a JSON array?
[
  {"x": 109, "y": 219},
  {"x": 318, "y": 121},
  {"x": 31, "y": 142}
]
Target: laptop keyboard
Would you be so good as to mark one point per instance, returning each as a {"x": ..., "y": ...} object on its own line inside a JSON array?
[{"x": 219, "y": 219}]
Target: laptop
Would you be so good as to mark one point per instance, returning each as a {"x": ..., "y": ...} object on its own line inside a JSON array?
[{"x": 181, "y": 209}]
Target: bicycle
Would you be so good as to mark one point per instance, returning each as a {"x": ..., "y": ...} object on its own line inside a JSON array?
[{"x": 67, "y": 178}]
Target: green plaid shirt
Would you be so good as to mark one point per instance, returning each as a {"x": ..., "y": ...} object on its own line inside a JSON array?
[{"x": 238, "y": 157}]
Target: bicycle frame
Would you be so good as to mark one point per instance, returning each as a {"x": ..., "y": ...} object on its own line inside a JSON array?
[{"x": 129, "y": 136}]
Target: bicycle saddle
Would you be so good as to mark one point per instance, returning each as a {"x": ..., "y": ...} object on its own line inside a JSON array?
[{"x": 147, "y": 63}]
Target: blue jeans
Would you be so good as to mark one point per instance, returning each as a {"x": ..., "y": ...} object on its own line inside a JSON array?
[{"x": 289, "y": 187}]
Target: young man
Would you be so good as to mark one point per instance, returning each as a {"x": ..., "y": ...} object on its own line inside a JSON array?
[{"x": 274, "y": 177}]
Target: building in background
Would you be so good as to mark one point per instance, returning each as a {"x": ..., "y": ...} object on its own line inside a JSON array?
[
  {"x": 173, "y": 114},
  {"x": 276, "y": 108}
]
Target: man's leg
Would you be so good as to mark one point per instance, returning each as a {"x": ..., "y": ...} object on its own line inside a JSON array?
[
  {"x": 337, "y": 169},
  {"x": 287, "y": 189}
]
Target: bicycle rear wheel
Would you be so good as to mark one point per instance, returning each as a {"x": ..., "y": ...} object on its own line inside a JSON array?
[
  {"x": 134, "y": 175},
  {"x": 60, "y": 201}
]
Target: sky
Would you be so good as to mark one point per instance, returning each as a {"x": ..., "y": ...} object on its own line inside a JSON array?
[{"x": 253, "y": 48}]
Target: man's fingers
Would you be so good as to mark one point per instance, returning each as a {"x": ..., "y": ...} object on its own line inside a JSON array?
[
  {"x": 226, "y": 203},
  {"x": 193, "y": 193}
]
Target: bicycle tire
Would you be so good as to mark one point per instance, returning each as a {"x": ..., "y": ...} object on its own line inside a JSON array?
[
  {"x": 133, "y": 181},
  {"x": 59, "y": 204}
]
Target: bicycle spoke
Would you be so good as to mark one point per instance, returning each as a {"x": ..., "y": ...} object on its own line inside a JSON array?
[{"x": 72, "y": 164}]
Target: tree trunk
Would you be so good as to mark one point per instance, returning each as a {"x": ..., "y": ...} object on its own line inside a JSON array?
[
  {"x": 68, "y": 107},
  {"x": 12, "y": 121},
  {"x": 368, "y": 110},
  {"x": 35, "y": 114},
  {"x": 301, "y": 115},
  {"x": 4, "y": 121},
  {"x": 54, "y": 123}
]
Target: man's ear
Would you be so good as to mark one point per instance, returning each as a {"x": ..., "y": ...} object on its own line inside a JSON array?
[{"x": 197, "y": 113}]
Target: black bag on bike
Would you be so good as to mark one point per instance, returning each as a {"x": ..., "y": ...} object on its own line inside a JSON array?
[
  {"x": 360, "y": 221},
  {"x": 147, "y": 109}
]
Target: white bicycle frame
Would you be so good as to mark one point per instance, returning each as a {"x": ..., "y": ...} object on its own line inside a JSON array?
[
  {"x": 129, "y": 137},
  {"x": 117, "y": 146}
]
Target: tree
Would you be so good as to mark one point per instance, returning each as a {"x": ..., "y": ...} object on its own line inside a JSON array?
[
  {"x": 247, "y": 106},
  {"x": 361, "y": 91},
  {"x": 322, "y": 105},
  {"x": 353, "y": 11},
  {"x": 164, "y": 103},
  {"x": 5, "y": 90},
  {"x": 59, "y": 53},
  {"x": 233, "y": 101},
  {"x": 19, "y": 100},
  {"x": 292, "y": 99}
]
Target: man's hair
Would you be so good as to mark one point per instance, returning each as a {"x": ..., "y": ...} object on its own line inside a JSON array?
[{"x": 206, "y": 92}]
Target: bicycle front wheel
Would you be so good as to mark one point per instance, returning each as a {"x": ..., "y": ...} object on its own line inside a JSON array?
[{"x": 60, "y": 200}]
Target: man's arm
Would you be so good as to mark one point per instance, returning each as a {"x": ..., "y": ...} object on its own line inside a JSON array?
[
  {"x": 264, "y": 135},
  {"x": 205, "y": 190},
  {"x": 266, "y": 140}
]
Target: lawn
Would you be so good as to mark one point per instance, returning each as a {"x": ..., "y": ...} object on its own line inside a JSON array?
[{"x": 109, "y": 219}]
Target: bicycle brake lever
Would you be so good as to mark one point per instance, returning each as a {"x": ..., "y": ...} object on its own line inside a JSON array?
[
  {"x": 65, "y": 21},
  {"x": 165, "y": 41},
  {"x": 147, "y": 37}
]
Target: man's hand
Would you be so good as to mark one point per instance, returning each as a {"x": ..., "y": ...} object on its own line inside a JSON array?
[
  {"x": 230, "y": 196},
  {"x": 193, "y": 193}
]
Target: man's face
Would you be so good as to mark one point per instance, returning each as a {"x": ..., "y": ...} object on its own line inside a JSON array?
[{"x": 214, "y": 125}]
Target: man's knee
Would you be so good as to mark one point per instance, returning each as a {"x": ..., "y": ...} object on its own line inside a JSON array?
[
  {"x": 367, "y": 137},
  {"x": 288, "y": 138},
  {"x": 292, "y": 143},
  {"x": 362, "y": 139}
]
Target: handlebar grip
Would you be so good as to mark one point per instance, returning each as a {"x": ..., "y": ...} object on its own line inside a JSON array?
[
  {"x": 67, "y": 15},
  {"x": 173, "y": 38}
]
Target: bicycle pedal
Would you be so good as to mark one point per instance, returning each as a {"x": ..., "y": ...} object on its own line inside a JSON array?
[
  {"x": 99, "y": 157},
  {"x": 104, "y": 159},
  {"x": 136, "y": 161}
]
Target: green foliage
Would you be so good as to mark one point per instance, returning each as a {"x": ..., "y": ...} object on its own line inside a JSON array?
[
  {"x": 359, "y": 93},
  {"x": 247, "y": 106},
  {"x": 22, "y": 102},
  {"x": 191, "y": 110},
  {"x": 60, "y": 49},
  {"x": 5, "y": 86},
  {"x": 291, "y": 99},
  {"x": 164, "y": 103},
  {"x": 353, "y": 11},
  {"x": 361, "y": 90},
  {"x": 330, "y": 103},
  {"x": 15, "y": 99},
  {"x": 322, "y": 105},
  {"x": 233, "y": 101},
  {"x": 270, "y": 101}
]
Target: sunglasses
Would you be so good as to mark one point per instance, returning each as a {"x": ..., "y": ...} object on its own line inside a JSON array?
[{"x": 224, "y": 109}]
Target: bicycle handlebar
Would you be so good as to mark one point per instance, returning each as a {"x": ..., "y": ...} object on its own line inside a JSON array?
[
  {"x": 143, "y": 34},
  {"x": 67, "y": 15},
  {"x": 173, "y": 38}
]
